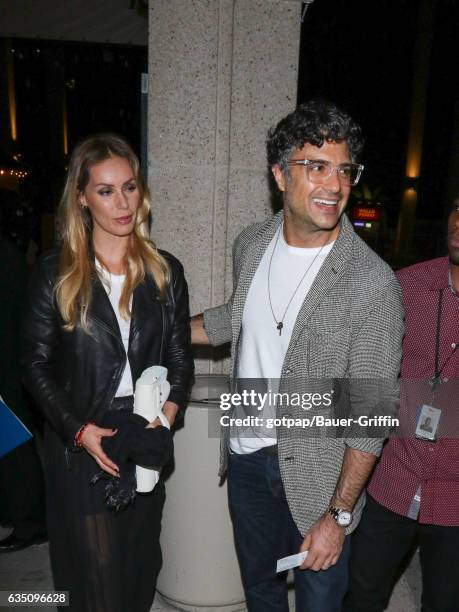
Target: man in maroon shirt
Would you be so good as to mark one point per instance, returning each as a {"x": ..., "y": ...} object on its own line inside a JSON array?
[{"x": 414, "y": 491}]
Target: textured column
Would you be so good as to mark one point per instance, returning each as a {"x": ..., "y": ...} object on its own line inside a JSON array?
[{"x": 221, "y": 73}]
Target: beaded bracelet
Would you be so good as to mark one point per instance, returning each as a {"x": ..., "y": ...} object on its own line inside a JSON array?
[{"x": 79, "y": 433}]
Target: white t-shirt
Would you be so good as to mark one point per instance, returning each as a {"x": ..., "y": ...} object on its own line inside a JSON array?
[
  {"x": 263, "y": 349},
  {"x": 113, "y": 285}
]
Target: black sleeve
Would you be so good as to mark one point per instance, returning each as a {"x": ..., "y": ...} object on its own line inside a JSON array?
[
  {"x": 41, "y": 335},
  {"x": 178, "y": 355}
]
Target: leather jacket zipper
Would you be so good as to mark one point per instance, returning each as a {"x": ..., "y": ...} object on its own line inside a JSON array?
[
  {"x": 106, "y": 328},
  {"x": 163, "y": 332},
  {"x": 110, "y": 331},
  {"x": 67, "y": 458}
]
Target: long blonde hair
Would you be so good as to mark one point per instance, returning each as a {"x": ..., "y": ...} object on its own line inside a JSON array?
[{"x": 77, "y": 266}]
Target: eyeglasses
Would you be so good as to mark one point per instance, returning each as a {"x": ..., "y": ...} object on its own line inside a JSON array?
[{"x": 320, "y": 170}]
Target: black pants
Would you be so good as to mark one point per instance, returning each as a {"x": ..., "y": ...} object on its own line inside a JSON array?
[
  {"x": 108, "y": 561},
  {"x": 379, "y": 545}
]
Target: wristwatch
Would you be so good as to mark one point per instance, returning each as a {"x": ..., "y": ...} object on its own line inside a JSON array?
[{"x": 342, "y": 517}]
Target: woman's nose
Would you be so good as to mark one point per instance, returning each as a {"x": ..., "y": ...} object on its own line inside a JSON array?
[{"x": 121, "y": 200}]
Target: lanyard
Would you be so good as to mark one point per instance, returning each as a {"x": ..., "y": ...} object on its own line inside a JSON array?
[{"x": 438, "y": 369}]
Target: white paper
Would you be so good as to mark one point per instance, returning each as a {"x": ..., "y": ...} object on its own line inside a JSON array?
[
  {"x": 151, "y": 391},
  {"x": 290, "y": 562},
  {"x": 428, "y": 421}
]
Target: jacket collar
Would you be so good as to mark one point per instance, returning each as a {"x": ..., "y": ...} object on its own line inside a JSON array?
[
  {"x": 332, "y": 269},
  {"x": 329, "y": 273},
  {"x": 145, "y": 301},
  {"x": 432, "y": 274},
  {"x": 102, "y": 313},
  {"x": 437, "y": 276},
  {"x": 252, "y": 258}
]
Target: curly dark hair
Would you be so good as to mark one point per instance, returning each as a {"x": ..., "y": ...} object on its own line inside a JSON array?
[{"x": 314, "y": 122}]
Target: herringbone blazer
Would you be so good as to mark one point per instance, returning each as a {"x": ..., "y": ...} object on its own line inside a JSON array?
[{"x": 350, "y": 326}]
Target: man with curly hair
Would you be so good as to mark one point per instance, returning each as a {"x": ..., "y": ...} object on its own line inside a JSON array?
[{"x": 311, "y": 303}]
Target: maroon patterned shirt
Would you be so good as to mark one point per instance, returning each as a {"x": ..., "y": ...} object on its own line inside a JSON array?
[{"x": 407, "y": 463}]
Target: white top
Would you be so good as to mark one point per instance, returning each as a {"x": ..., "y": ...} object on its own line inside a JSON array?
[
  {"x": 113, "y": 284},
  {"x": 263, "y": 350}
]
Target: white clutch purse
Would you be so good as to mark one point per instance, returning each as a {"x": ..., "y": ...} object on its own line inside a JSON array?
[{"x": 151, "y": 391}]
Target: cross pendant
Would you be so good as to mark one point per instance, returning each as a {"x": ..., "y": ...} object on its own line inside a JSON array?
[{"x": 280, "y": 325}]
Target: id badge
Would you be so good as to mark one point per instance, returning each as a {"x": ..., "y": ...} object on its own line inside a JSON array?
[{"x": 427, "y": 424}]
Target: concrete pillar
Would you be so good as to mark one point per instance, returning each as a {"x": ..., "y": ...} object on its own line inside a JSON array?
[{"x": 221, "y": 73}]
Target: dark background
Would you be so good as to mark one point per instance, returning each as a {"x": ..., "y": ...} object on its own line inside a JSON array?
[{"x": 360, "y": 54}]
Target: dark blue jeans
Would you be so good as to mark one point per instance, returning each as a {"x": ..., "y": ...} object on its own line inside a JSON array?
[{"x": 265, "y": 531}]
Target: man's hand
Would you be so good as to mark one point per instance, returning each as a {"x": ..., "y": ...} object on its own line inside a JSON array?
[
  {"x": 170, "y": 412},
  {"x": 324, "y": 541},
  {"x": 198, "y": 333},
  {"x": 91, "y": 441}
]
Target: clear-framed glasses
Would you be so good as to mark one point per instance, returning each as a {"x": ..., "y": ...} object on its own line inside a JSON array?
[{"x": 320, "y": 170}]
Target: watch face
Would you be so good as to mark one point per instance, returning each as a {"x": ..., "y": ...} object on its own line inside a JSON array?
[{"x": 344, "y": 518}]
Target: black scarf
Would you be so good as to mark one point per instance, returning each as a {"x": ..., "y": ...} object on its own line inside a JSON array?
[{"x": 132, "y": 445}]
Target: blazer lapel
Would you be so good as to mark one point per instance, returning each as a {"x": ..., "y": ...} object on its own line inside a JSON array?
[
  {"x": 252, "y": 257},
  {"x": 329, "y": 274}
]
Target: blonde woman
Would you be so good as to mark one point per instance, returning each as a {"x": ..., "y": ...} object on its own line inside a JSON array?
[{"x": 101, "y": 309}]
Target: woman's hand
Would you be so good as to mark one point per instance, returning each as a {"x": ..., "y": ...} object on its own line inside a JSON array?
[{"x": 91, "y": 441}]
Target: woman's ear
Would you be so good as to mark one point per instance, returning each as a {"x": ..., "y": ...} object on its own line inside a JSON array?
[{"x": 82, "y": 200}]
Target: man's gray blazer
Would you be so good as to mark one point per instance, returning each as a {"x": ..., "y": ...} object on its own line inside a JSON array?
[{"x": 350, "y": 326}]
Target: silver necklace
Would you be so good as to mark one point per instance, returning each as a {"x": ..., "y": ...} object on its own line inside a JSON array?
[{"x": 280, "y": 323}]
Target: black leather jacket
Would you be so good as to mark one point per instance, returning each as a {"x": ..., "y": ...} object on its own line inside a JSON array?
[{"x": 74, "y": 375}]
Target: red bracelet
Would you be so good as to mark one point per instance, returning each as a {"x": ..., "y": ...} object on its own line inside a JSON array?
[{"x": 79, "y": 433}]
